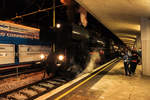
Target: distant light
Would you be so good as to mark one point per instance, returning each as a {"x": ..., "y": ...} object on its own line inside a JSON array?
[
  {"x": 58, "y": 25},
  {"x": 61, "y": 57},
  {"x": 42, "y": 56}
]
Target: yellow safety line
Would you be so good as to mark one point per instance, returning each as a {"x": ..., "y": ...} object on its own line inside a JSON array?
[
  {"x": 61, "y": 96},
  {"x": 103, "y": 65}
]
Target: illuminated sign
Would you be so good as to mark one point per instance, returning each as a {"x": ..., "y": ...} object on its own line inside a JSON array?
[{"x": 15, "y": 30}]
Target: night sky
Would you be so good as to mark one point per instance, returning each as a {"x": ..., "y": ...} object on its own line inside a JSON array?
[{"x": 44, "y": 20}]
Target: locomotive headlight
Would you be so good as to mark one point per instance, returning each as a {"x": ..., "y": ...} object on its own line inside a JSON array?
[
  {"x": 61, "y": 57},
  {"x": 42, "y": 56}
]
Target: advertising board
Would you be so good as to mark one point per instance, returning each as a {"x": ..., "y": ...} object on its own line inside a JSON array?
[
  {"x": 7, "y": 54},
  {"x": 28, "y": 53}
]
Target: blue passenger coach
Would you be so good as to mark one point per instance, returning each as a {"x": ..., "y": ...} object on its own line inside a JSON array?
[{"x": 20, "y": 44}]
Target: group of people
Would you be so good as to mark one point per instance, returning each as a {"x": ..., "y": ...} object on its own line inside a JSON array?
[{"x": 130, "y": 61}]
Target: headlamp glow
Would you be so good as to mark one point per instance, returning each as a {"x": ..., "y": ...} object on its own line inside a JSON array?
[
  {"x": 42, "y": 56},
  {"x": 61, "y": 57}
]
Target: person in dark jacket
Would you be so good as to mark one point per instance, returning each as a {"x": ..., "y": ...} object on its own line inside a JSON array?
[
  {"x": 133, "y": 61},
  {"x": 126, "y": 64}
]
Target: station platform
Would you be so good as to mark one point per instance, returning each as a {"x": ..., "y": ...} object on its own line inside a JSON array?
[
  {"x": 114, "y": 86},
  {"x": 108, "y": 84}
]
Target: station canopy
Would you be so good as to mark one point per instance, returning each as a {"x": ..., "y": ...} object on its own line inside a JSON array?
[{"x": 122, "y": 17}]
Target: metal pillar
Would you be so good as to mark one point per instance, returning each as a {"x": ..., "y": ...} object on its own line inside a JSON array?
[{"x": 54, "y": 22}]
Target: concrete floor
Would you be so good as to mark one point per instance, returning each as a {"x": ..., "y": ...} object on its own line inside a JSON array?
[{"x": 114, "y": 86}]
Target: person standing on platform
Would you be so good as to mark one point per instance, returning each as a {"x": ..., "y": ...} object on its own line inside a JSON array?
[
  {"x": 133, "y": 61},
  {"x": 140, "y": 56},
  {"x": 101, "y": 52},
  {"x": 126, "y": 64}
]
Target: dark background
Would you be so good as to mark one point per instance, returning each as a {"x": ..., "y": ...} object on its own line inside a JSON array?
[{"x": 44, "y": 20}]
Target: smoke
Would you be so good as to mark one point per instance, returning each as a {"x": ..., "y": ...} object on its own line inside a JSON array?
[
  {"x": 94, "y": 60},
  {"x": 73, "y": 9},
  {"x": 70, "y": 9},
  {"x": 66, "y": 2},
  {"x": 75, "y": 69},
  {"x": 83, "y": 16}
]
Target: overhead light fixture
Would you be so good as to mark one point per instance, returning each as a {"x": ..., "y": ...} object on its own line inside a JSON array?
[{"x": 129, "y": 39}]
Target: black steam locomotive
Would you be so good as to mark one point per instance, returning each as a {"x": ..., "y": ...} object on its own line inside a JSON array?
[{"x": 73, "y": 47}]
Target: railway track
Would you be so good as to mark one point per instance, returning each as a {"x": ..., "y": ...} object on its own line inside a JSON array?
[
  {"x": 19, "y": 73},
  {"x": 39, "y": 88},
  {"x": 8, "y": 72},
  {"x": 34, "y": 90}
]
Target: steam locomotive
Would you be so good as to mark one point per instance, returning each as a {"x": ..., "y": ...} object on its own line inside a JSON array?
[{"x": 74, "y": 47}]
